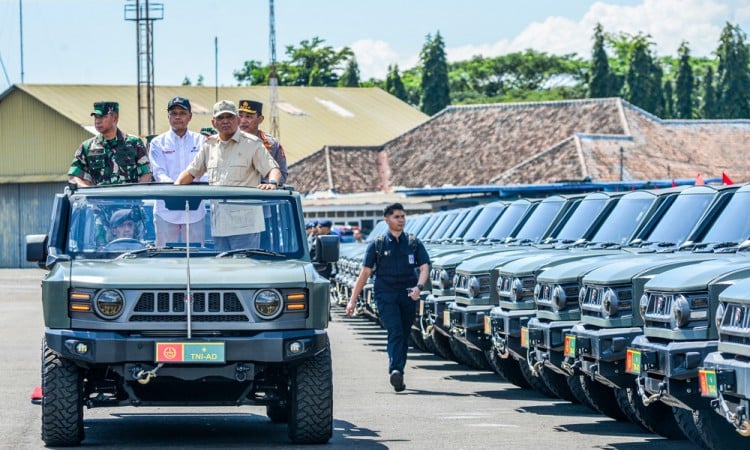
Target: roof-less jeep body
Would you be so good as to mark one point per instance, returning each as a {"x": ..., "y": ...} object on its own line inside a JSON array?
[{"x": 130, "y": 323}]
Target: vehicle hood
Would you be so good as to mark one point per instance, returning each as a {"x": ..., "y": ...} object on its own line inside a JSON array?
[
  {"x": 534, "y": 263},
  {"x": 485, "y": 263},
  {"x": 696, "y": 277},
  {"x": 204, "y": 272},
  {"x": 624, "y": 271},
  {"x": 575, "y": 270}
]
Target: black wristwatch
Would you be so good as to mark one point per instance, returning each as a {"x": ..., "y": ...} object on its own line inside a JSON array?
[
  {"x": 272, "y": 181},
  {"x": 420, "y": 286}
]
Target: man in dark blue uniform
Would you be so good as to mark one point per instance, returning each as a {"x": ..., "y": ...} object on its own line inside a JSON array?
[{"x": 401, "y": 267}]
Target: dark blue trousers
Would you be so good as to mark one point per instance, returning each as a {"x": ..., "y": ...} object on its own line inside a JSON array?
[{"x": 397, "y": 312}]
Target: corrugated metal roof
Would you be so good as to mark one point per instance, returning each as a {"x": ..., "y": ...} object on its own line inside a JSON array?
[{"x": 309, "y": 117}]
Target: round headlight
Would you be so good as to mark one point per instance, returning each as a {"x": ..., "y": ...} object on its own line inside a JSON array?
[
  {"x": 719, "y": 315},
  {"x": 268, "y": 303},
  {"x": 610, "y": 304},
  {"x": 680, "y": 312},
  {"x": 643, "y": 306},
  {"x": 559, "y": 299},
  {"x": 516, "y": 290},
  {"x": 109, "y": 304},
  {"x": 473, "y": 287},
  {"x": 445, "y": 280}
]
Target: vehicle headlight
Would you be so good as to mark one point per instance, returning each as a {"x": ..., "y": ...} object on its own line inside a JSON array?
[
  {"x": 455, "y": 280},
  {"x": 559, "y": 299},
  {"x": 499, "y": 285},
  {"x": 610, "y": 304},
  {"x": 516, "y": 290},
  {"x": 268, "y": 303},
  {"x": 474, "y": 287},
  {"x": 643, "y": 306},
  {"x": 109, "y": 304},
  {"x": 445, "y": 280},
  {"x": 719, "y": 315},
  {"x": 680, "y": 312}
]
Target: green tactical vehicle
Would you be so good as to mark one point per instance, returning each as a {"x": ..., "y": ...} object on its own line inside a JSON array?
[
  {"x": 725, "y": 375},
  {"x": 129, "y": 323}
]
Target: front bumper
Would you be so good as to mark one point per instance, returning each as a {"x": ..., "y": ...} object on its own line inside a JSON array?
[
  {"x": 467, "y": 325},
  {"x": 506, "y": 330},
  {"x": 600, "y": 353},
  {"x": 669, "y": 371},
  {"x": 547, "y": 339},
  {"x": 110, "y": 348}
]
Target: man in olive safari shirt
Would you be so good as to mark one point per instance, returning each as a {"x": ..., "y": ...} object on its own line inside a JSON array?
[{"x": 233, "y": 158}]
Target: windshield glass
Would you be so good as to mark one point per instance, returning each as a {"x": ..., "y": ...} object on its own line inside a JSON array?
[
  {"x": 509, "y": 220},
  {"x": 106, "y": 227},
  {"x": 540, "y": 220},
  {"x": 460, "y": 227},
  {"x": 676, "y": 224},
  {"x": 733, "y": 224},
  {"x": 581, "y": 219},
  {"x": 484, "y": 221},
  {"x": 623, "y": 220}
]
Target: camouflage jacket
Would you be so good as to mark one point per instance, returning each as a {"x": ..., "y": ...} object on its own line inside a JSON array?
[{"x": 116, "y": 161}]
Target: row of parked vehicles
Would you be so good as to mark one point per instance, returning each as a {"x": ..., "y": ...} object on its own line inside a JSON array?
[{"x": 635, "y": 304}]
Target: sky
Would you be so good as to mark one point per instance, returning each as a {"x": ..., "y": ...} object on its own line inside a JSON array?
[{"x": 90, "y": 42}]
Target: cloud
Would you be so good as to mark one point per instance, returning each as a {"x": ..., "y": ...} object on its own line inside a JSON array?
[{"x": 374, "y": 57}]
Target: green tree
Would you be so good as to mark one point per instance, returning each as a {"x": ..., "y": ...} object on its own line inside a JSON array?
[
  {"x": 186, "y": 81},
  {"x": 200, "y": 80},
  {"x": 435, "y": 91},
  {"x": 350, "y": 77},
  {"x": 684, "y": 85},
  {"x": 394, "y": 85},
  {"x": 252, "y": 73},
  {"x": 709, "y": 107},
  {"x": 668, "y": 100},
  {"x": 733, "y": 89},
  {"x": 600, "y": 79},
  {"x": 313, "y": 64}
]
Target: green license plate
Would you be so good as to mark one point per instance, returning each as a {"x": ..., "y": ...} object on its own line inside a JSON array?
[
  {"x": 190, "y": 352},
  {"x": 709, "y": 386},
  {"x": 633, "y": 362},
  {"x": 524, "y": 337}
]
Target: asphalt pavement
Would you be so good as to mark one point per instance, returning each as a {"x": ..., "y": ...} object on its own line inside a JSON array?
[{"x": 445, "y": 404}]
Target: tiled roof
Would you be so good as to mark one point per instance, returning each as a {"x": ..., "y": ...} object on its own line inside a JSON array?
[{"x": 539, "y": 142}]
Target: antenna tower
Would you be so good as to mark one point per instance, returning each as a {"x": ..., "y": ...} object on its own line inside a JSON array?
[
  {"x": 273, "y": 80},
  {"x": 144, "y": 13}
]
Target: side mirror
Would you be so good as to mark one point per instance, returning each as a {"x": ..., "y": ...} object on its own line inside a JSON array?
[
  {"x": 36, "y": 248},
  {"x": 326, "y": 249}
]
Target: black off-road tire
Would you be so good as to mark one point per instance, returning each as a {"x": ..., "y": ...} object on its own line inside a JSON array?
[
  {"x": 686, "y": 421},
  {"x": 602, "y": 398},
  {"x": 416, "y": 340},
  {"x": 576, "y": 388},
  {"x": 462, "y": 353},
  {"x": 62, "y": 401},
  {"x": 478, "y": 358},
  {"x": 507, "y": 368},
  {"x": 717, "y": 433},
  {"x": 656, "y": 418},
  {"x": 311, "y": 400},
  {"x": 442, "y": 346},
  {"x": 558, "y": 384},
  {"x": 278, "y": 412},
  {"x": 533, "y": 380}
]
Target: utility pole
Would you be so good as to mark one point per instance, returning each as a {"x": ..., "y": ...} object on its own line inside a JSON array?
[
  {"x": 273, "y": 80},
  {"x": 144, "y": 14},
  {"x": 20, "y": 28}
]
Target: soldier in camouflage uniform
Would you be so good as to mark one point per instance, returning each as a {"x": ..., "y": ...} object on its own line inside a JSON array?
[
  {"x": 250, "y": 114},
  {"x": 110, "y": 157}
]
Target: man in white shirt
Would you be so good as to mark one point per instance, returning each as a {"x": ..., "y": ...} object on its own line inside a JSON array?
[{"x": 170, "y": 153}]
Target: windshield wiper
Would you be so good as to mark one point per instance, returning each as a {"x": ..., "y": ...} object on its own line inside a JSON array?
[
  {"x": 708, "y": 247},
  {"x": 152, "y": 251},
  {"x": 250, "y": 251}
]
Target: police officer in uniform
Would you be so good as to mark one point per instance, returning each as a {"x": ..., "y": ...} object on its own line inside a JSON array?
[
  {"x": 110, "y": 157},
  {"x": 400, "y": 274},
  {"x": 250, "y": 115}
]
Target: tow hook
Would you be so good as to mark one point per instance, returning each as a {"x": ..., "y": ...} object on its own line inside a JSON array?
[
  {"x": 739, "y": 420},
  {"x": 568, "y": 367},
  {"x": 500, "y": 347},
  {"x": 240, "y": 372},
  {"x": 648, "y": 399},
  {"x": 145, "y": 376}
]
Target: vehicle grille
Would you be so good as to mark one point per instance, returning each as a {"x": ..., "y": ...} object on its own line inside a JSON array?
[
  {"x": 545, "y": 298},
  {"x": 660, "y": 313},
  {"x": 593, "y": 297},
  {"x": 169, "y": 306},
  {"x": 735, "y": 324}
]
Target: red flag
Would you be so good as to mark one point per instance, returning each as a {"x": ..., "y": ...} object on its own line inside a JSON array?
[
  {"x": 725, "y": 179},
  {"x": 699, "y": 180}
]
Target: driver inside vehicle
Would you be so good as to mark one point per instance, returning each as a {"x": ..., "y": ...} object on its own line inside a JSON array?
[{"x": 122, "y": 224}]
